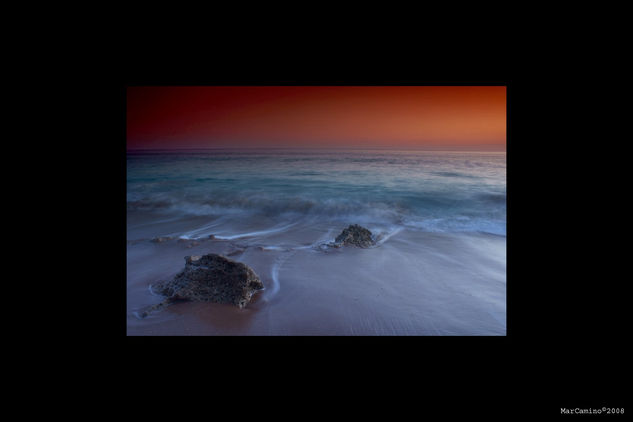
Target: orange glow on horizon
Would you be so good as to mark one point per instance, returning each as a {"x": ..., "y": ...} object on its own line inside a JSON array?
[{"x": 315, "y": 116}]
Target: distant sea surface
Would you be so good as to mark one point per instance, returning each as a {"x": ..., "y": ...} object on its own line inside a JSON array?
[{"x": 433, "y": 191}]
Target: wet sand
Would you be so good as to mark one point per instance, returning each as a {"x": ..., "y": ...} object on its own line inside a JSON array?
[{"x": 412, "y": 283}]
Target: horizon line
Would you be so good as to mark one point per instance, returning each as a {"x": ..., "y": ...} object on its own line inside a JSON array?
[{"x": 435, "y": 148}]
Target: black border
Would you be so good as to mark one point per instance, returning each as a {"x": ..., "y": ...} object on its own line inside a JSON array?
[
  {"x": 370, "y": 340},
  {"x": 561, "y": 346},
  {"x": 566, "y": 332}
]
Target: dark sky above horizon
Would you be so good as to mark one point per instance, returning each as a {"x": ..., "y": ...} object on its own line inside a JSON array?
[{"x": 316, "y": 116}]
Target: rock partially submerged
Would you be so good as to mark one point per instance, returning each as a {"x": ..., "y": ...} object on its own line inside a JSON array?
[
  {"x": 355, "y": 235},
  {"x": 209, "y": 278}
]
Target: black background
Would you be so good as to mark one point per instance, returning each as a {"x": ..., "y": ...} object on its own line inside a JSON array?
[{"x": 565, "y": 332}]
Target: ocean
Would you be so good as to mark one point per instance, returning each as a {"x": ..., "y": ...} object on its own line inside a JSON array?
[
  {"x": 425, "y": 190},
  {"x": 273, "y": 208}
]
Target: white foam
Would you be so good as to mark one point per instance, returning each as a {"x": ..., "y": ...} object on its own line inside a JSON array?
[
  {"x": 165, "y": 220},
  {"x": 458, "y": 224},
  {"x": 274, "y": 273},
  {"x": 383, "y": 237},
  {"x": 284, "y": 257},
  {"x": 203, "y": 231},
  {"x": 255, "y": 233},
  {"x": 275, "y": 277},
  {"x": 274, "y": 248}
]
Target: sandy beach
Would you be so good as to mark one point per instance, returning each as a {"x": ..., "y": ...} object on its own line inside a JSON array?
[{"x": 412, "y": 283}]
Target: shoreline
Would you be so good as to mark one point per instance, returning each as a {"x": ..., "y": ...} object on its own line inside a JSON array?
[{"x": 413, "y": 283}]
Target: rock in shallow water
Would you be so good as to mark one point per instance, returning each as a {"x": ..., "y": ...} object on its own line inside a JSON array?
[
  {"x": 355, "y": 235},
  {"x": 209, "y": 278}
]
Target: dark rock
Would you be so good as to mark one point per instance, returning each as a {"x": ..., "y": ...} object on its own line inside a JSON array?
[
  {"x": 161, "y": 239},
  {"x": 355, "y": 235},
  {"x": 209, "y": 278},
  {"x": 151, "y": 309},
  {"x": 211, "y": 237}
]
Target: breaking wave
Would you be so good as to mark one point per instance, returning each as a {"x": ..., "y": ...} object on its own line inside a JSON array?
[{"x": 431, "y": 191}]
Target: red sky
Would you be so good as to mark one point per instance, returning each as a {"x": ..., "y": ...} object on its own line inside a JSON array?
[{"x": 316, "y": 116}]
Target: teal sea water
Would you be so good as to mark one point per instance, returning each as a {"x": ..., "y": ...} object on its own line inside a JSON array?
[{"x": 433, "y": 191}]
